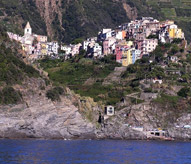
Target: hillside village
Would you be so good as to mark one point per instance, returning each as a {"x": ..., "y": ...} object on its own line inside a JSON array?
[
  {"x": 129, "y": 42},
  {"x": 145, "y": 96}
]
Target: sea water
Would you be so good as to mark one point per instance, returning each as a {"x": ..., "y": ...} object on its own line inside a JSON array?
[{"x": 94, "y": 152}]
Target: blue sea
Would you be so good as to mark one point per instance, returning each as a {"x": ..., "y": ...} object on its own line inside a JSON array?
[{"x": 94, "y": 152}]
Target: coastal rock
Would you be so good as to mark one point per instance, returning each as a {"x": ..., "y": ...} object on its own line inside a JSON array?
[
  {"x": 39, "y": 117},
  {"x": 136, "y": 121},
  {"x": 74, "y": 117}
]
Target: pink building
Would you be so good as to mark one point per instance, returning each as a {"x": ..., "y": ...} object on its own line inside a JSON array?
[
  {"x": 146, "y": 46},
  {"x": 109, "y": 46},
  {"x": 119, "y": 52},
  {"x": 41, "y": 38}
]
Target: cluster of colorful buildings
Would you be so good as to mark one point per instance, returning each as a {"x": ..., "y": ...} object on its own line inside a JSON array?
[
  {"x": 36, "y": 46},
  {"x": 169, "y": 31},
  {"x": 129, "y": 42}
]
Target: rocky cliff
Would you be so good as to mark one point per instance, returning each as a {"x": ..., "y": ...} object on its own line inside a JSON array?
[
  {"x": 38, "y": 117},
  {"x": 134, "y": 122},
  {"x": 49, "y": 9},
  {"x": 77, "y": 118}
]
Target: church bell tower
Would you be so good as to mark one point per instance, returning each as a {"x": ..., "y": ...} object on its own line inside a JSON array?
[{"x": 28, "y": 29}]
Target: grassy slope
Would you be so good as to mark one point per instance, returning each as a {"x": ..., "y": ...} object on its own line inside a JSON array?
[
  {"x": 178, "y": 10},
  {"x": 12, "y": 70},
  {"x": 74, "y": 73}
]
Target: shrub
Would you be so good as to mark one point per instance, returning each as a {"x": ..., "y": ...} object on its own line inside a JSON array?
[
  {"x": 184, "y": 92},
  {"x": 148, "y": 90},
  {"x": 134, "y": 83},
  {"x": 10, "y": 96},
  {"x": 177, "y": 40},
  {"x": 55, "y": 93},
  {"x": 174, "y": 49}
]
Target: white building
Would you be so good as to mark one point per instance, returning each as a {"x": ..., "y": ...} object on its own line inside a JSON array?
[
  {"x": 97, "y": 50},
  {"x": 105, "y": 34},
  {"x": 173, "y": 59},
  {"x": 28, "y": 29},
  {"x": 52, "y": 48},
  {"x": 109, "y": 46},
  {"x": 13, "y": 36},
  {"x": 67, "y": 49},
  {"x": 149, "y": 45},
  {"x": 76, "y": 49},
  {"x": 163, "y": 35},
  {"x": 109, "y": 110},
  {"x": 89, "y": 41},
  {"x": 119, "y": 35},
  {"x": 159, "y": 81}
]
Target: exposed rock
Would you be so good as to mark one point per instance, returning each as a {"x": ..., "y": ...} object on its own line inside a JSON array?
[
  {"x": 130, "y": 12},
  {"x": 75, "y": 117},
  {"x": 48, "y": 10},
  {"x": 135, "y": 121},
  {"x": 39, "y": 117}
]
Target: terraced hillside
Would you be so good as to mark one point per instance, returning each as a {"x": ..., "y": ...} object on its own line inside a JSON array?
[{"x": 178, "y": 10}]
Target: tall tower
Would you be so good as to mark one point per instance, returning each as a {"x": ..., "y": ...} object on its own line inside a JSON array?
[{"x": 28, "y": 29}]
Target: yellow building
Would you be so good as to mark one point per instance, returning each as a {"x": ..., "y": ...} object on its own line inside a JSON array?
[
  {"x": 175, "y": 32},
  {"x": 43, "y": 49},
  {"x": 179, "y": 33},
  {"x": 24, "y": 47},
  {"x": 172, "y": 32},
  {"x": 130, "y": 43},
  {"x": 127, "y": 57}
]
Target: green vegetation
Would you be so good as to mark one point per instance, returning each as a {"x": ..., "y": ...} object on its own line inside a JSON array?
[
  {"x": 177, "y": 10},
  {"x": 169, "y": 12},
  {"x": 12, "y": 70},
  {"x": 184, "y": 92},
  {"x": 86, "y": 76},
  {"x": 55, "y": 93},
  {"x": 18, "y": 12},
  {"x": 9, "y": 96},
  {"x": 166, "y": 99},
  {"x": 84, "y": 18}
]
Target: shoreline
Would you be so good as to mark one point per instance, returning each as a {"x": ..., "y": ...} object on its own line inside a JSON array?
[{"x": 94, "y": 139}]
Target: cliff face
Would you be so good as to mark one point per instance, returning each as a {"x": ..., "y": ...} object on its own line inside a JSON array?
[
  {"x": 49, "y": 9},
  {"x": 134, "y": 122},
  {"x": 39, "y": 117}
]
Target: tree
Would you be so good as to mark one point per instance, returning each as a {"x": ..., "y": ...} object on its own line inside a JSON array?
[
  {"x": 184, "y": 92},
  {"x": 174, "y": 49}
]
